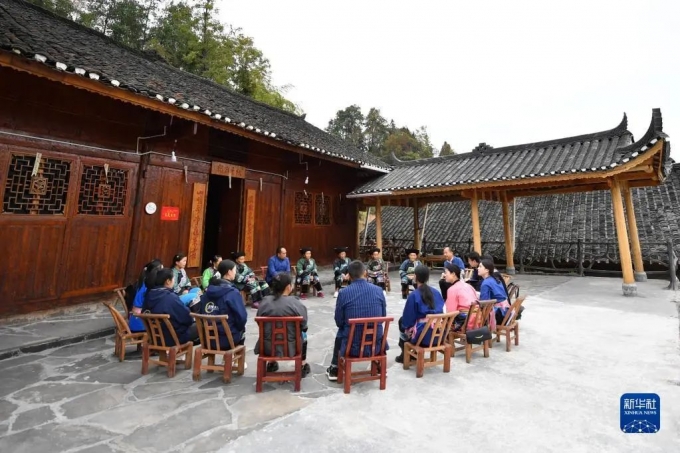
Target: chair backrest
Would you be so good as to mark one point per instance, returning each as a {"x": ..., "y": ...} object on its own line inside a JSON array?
[
  {"x": 279, "y": 334},
  {"x": 486, "y": 307},
  {"x": 121, "y": 323},
  {"x": 478, "y": 315},
  {"x": 120, "y": 299},
  {"x": 439, "y": 325},
  {"x": 512, "y": 311},
  {"x": 263, "y": 271},
  {"x": 208, "y": 332},
  {"x": 369, "y": 335},
  {"x": 467, "y": 273},
  {"x": 154, "y": 330},
  {"x": 507, "y": 278},
  {"x": 196, "y": 281}
]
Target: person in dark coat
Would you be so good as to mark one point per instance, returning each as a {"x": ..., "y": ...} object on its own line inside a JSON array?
[
  {"x": 162, "y": 300},
  {"x": 222, "y": 298}
]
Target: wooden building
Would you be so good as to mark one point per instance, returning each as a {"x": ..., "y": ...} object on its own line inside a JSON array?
[{"x": 110, "y": 157}]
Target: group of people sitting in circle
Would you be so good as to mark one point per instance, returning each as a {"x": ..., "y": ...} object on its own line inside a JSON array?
[{"x": 162, "y": 290}]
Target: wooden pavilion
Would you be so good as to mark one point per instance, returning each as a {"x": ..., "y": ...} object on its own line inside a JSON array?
[{"x": 609, "y": 160}]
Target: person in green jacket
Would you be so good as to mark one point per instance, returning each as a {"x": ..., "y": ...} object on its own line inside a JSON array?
[
  {"x": 307, "y": 273},
  {"x": 211, "y": 271}
]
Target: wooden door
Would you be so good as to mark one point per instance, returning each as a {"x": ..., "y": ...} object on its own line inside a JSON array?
[{"x": 261, "y": 218}]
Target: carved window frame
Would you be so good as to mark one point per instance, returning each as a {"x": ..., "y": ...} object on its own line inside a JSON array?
[{"x": 102, "y": 193}]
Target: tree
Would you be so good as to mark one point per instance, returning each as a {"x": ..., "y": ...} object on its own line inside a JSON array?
[
  {"x": 375, "y": 133},
  {"x": 446, "y": 150},
  {"x": 404, "y": 145},
  {"x": 348, "y": 125}
]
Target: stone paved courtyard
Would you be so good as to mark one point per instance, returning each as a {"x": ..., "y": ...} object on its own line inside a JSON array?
[{"x": 582, "y": 346}]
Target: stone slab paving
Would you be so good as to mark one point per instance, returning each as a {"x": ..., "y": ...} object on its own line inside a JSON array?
[{"x": 582, "y": 346}]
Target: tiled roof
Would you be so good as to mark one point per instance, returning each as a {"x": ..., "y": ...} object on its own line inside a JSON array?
[
  {"x": 543, "y": 224},
  {"x": 589, "y": 153},
  {"x": 63, "y": 45}
]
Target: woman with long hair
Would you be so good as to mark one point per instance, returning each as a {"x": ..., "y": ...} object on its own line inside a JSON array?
[
  {"x": 136, "y": 324},
  {"x": 492, "y": 288},
  {"x": 181, "y": 284},
  {"x": 460, "y": 296},
  {"x": 420, "y": 303},
  {"x": 210, "y": 271},
  {"x": 279, "y": 304}
]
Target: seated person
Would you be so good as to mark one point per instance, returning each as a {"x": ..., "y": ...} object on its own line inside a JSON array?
[
  {"x": 162, "y": 300},
  {"x": 307, "y": 273},
  {"x": 247, "y": 280},
  {"x": 420, "y": 303},
  {"x": 492, "y": 289},
  {"x": 358, "y": 300},
  {"x": 406, "y": 271},
  {"x": 222, "y": 298},
  {"x": 181, "y": 284},
  {"x": 473, "y": 260},
  {"x": 376, "y": 269},
  {"x": 340, "y": 268},
  {"x": 136, "y": 324},
  {"x": 280, "y": 304},
  {"x": 210, "y": 271},
  {"x": 277, "y": 263},
  {"x": 460, "y": 295},
  {"x": 450, "y": 257}
]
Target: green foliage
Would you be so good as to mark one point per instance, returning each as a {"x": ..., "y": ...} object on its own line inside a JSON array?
[
  {"x": 185, "y": 33},
  {"x": 446, "y": 150},
  {"x": 375, "y": 135}
]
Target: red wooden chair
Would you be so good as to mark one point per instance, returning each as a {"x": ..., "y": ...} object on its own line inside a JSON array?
[
  {"x": 369, "y": 338},
  {"x": 279, "y": 343},
  {"x": 210, "y": 347},
  {"x": 155, "y": 341},
  {"x": 124, "y": 336}
]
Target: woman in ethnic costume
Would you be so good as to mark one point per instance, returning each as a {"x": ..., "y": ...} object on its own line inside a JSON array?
[
  {"x": 340, "y": 268},
  {"x": 246, "y": 280},
  {"x": 181, "y": 283},
  {"x": 307, "y": 274},
  {"x": 211, "y": 271},
  {"x": 420, "y": 303},
  {"x": 407, "y": 271},
  {"x": 376, "y": 269}
]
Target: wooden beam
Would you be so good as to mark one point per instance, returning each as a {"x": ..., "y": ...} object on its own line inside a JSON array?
[
  {"x": 629, "y": 287},
  {"x": 558, "y": 190},
  {"x": 509, "y": 252},
  {"x": 416, "y": 236},
  {"x": 640, "y": 275},
  {"x": 35, "y": 68},
  {"x": 476, "y": 231},
  {"x": 378, "y": 226}
]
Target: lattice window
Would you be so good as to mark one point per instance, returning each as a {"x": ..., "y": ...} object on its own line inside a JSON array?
[
  {"x": 102, "y": 193},
  {"x": 303, "y": 208},
  {"x": 322, "y": 205},
  {"x": 45, "y": 193}
]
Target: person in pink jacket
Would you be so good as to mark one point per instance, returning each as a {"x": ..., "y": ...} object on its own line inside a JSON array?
[{"x": 460, "y": 295}]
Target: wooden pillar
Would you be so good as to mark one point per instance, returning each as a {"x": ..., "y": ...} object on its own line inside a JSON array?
[
  {"x": 476, "y": 231},
  {"x": 378, "y": 225},
  {"x": 629, "y": 287},
  {"x": 416, "y": 236},
  {"x": 639, "y": 274},
  {"x": 509, "y": 251}
]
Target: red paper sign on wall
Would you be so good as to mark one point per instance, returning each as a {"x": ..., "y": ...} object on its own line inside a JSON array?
[{"x": 170, "y": 213}]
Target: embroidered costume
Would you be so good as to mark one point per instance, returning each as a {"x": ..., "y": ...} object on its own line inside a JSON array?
[
  {"x": 407, "y": 272},
  {"x": 341, "y": 267},
  {"x": 246, "y": 280},
  {"x": 307, "y": 273},
  {"x": 376, "y": 269}
]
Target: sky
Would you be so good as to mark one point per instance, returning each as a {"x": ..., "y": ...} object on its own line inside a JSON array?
[{"x": 499, "y": 72}]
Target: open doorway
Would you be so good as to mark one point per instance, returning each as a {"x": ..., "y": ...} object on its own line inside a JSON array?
[{"x": 222, "y": 234}]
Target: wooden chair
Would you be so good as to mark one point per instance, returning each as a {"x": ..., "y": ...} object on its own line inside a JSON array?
[
  {"x": 123, "y": 335},
  {"x": 478, "y": 316},
  {"x": 439, "y": 326},
  {"x": 369, "y": 338},
  {"x": 388, "y": 286},
  {"x": 155, "y": 341},
  {"x": 298, "y": 287},
  {"x": 279, "y": 337},
  {"x": 467, "y": 273},
  {"x": 210, "y": 347},
  {"x": 120, "y": 299},
  {"x": 507, "y": 278},
  {"x": 263, "y": 272},
  {"x": 510, "y": 324},
  {"x": 196, "y": 281}
]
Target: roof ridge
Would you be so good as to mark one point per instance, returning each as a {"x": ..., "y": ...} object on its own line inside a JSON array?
[{"x": 620, "y": 129}]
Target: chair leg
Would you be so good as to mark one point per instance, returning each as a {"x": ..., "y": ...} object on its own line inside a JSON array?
[
  {"x": 145, "y": 358},
  {"x": 242, "y": 363},
  {"x": 341, "y": 370},
  {"x": 260, "y": 374},
  {"x": 486, "y": 347},
  {"x": 172, "y": 362},
  {"x": 211, "y": 362},
  {"x": 298, "y": 375},
  {"x": 491, "y": 342},
  {"x": 447, "y": 358},
  {"x": 121, "y": 358},
  {"x": 516, "y": 329},
  {"x": 383, "y": 373},
  {"x": 507, "y": 339},
  {"x": 198, "y": 358},
  {"x": 374, "y": 368},
  {"x": 468, "y": 352},
  {"x": 420, "y": 364},
  {"x": 228, "y": 365},
  {"x": 187, "y": 357},
  {"x": 407, "y": 357},
  {"x": 348, "y": 376}
]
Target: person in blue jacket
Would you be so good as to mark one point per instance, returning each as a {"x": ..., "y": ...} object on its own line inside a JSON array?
[
  {"x": 162, "y": 300},
  {"x": 222, "y": 298},
  {"x": 420, "y": 303},
  {"x": 136, "y": 324},
  {"x": 277, "y": 263}
]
